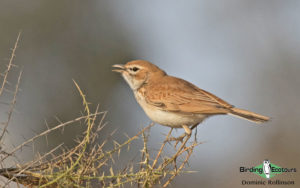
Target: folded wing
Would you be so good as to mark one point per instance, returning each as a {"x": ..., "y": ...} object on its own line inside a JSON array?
[{"x": 177, "y": 95}]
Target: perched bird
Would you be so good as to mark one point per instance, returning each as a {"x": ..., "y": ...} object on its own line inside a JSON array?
[{"x": 174, "y": 102}]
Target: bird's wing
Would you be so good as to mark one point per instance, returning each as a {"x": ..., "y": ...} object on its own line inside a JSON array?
[{"x": 174, "y": 94}]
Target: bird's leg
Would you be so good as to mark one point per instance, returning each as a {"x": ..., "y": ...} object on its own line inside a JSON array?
[
  {"x": 194, "y": 126},
  {"x": 188, "y": 132}
]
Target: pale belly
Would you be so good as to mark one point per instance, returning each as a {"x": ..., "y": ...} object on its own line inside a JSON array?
[{"x": 171, "y": 119}]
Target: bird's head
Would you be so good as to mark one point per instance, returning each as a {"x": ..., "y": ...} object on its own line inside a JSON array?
[{"x": 139, "y": 72}]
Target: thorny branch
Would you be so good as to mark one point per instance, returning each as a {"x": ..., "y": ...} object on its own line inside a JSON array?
[
  {"x": 5, "y": 82},
  {"x": 10, "y": 65}
]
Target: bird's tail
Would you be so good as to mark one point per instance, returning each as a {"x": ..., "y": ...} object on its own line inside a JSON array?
[{"x": 250, "y": 116}]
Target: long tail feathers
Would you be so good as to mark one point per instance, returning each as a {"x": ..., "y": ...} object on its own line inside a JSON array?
[{"x": 250, "y": 116}]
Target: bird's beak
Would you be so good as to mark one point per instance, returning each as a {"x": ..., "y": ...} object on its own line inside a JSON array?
[{"x": 121, "y": 68}]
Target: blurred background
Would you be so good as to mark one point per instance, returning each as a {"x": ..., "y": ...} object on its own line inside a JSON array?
[{"x": 246, "y": 52}]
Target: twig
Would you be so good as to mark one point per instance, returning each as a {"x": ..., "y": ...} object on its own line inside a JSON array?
[
  {"x": 126, "y": 142},
  {"x": 30, "y": 164},
  {"x": 48, "y": 131},
  {"x": 12, "y": 106},
  {"x": 190, "y": 151},
  {"x": 161, "y": 148},
  {"x": 10, "y": 64}
]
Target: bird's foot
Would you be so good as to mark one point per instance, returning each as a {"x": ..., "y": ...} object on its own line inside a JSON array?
[
  {"x": 188, "y": 133},
  {"x": 177, "y": 139}
]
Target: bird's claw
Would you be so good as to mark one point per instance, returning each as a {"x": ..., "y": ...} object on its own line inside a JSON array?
[{"x": 177, "y": 139}]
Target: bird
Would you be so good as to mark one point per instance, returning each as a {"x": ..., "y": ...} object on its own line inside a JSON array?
[
  {"x": 267, "y": 168},
  {"x": 174, "y": 102}
]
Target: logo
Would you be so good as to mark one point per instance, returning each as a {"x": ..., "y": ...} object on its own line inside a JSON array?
[{"x": 267, "y": 170}]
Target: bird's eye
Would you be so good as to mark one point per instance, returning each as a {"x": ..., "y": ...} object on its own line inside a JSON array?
[{"x": 134, "y": 69}]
